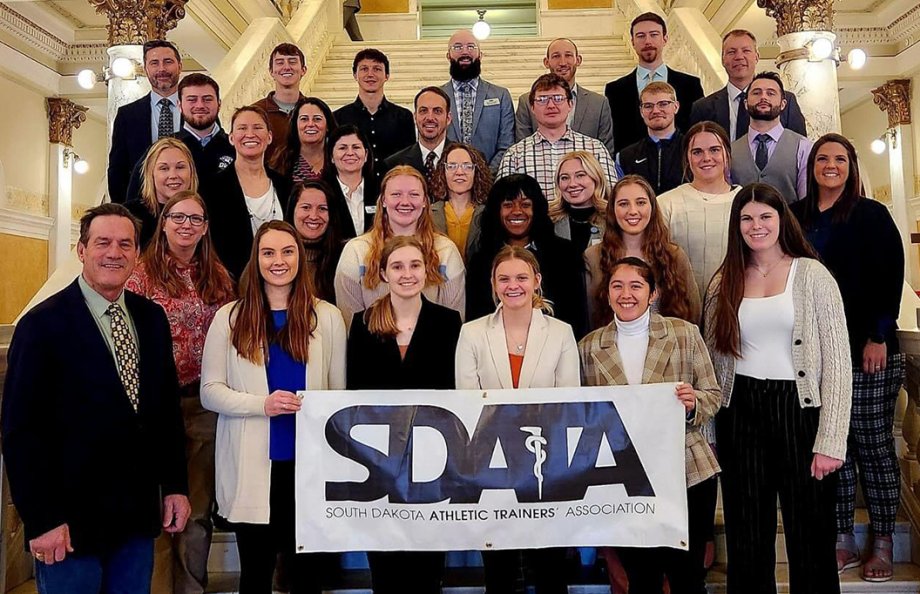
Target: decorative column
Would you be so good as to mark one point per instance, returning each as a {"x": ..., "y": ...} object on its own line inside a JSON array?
[
  {"x": 131, "y": 24},
  {"x": 63, "y": 117},
  {"x": 799, "y": 23}
]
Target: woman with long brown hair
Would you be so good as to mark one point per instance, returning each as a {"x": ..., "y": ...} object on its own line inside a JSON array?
[
  {"x": 181, "y": 273},
  {"x": 577, "y": 209},
  {"x": 402, "y": 342},
  {"x": 459, "y": 189},
  {"x": 635, "y": 227},
  {"x": 402, "y": 209},
  {"x": 167, "y": 169},
  {"x": 775, "y": 327},
  {"x": 303, "y": 156},
  {"x": 276, "y": 340}
]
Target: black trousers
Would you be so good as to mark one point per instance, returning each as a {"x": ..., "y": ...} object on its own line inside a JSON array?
[
  {"x": 399, "y": 572},
  {"x": 647, "y": 568},
  {"x": 506, "y": 571},
  {"x": 260, "y": 544},
  {"x": 765, "y": 443}
]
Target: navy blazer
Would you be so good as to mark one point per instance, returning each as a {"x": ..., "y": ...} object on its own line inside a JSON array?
[
  {"x": 75, "y": 450},
  {"x": 493, "y": 121},
  {"x": 131, "y": 137},
  {"x": 623, "y": 95},
  {"x": 714, "y": 108}
]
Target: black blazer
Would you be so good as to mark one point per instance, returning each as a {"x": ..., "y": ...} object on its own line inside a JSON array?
[
  {"x": 411, "y": 155},
  {"x": 714, "y": 108},
  {"x": 371, "y": 190},
  {"x": 75, "y": 450},
  {"x": 131, "y": 137},
  {"x": 228, "y": 217},
  {"x": 623, "y": 95},
  {"x": 375, "y": 363}
]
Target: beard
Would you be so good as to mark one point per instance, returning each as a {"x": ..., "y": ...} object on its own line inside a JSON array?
[
  {"x": 462, "y": 73},
  {"x": 764, "y": 116},
  {"x": 200, "y": 122}
]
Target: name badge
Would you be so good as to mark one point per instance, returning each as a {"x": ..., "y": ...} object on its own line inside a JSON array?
[
  {"x": 370, "y": 209},
  {"x": 492, "y": 101}
]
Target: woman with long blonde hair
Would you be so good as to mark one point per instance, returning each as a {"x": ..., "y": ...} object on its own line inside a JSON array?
[
  {"x": 167, "y": 169},
  {"x": 402, "y": 209},
  {"x": 277, "y": 340},
  {"x": 636, "y": 228},
  {"x": 581, "y": 191}
]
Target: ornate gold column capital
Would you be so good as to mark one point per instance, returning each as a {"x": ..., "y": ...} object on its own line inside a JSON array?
[
  {"x": 893, "y": 97},
  {"x": 63, "y": 116},
  {"x": 793, "y": 16},
  {"x": 133, "y": 22}
]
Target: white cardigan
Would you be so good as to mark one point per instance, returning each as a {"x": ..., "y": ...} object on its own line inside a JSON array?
[
  {"x": 550, "y": 357},
  {"x": 236, "y": 389}
]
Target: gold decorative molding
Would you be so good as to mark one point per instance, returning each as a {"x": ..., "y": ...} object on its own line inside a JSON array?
[
  {"x": 134, "y": 22},
  {"x": 63, "y": 116},
  {"x": 794, "y": 16},
  {"x": 893, "y": 97}
]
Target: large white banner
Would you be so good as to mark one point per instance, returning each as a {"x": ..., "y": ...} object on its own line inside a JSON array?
[{"x": 496, "y": 469}]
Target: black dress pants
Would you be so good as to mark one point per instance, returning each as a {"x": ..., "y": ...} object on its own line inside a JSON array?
[
  {"x": 647, "y": 568},
  {"x": 765, "y": 441},
  {"x": 399, "y": 572},
  {"x": 506, "y": 571},
  {"x": 259, "y": 544}
]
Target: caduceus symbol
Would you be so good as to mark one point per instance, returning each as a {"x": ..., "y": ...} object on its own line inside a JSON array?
[{"x": 536, "y": 443}]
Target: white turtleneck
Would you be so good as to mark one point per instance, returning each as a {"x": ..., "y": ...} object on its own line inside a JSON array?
[{"x": 632, "y": 343}]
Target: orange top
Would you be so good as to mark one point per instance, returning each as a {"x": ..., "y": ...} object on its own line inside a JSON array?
[
  {"x": 517, "y": 361},
  {"x": 402, "y": 350}
]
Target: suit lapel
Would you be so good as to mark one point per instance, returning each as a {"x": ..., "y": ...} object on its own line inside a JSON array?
[
  {"x": 721, "y": 107},
  {"x": 454, "y": 109},
  {"x": 607, "y": 360},
  {"x": 498, "y": 347},
  {"x": 533, "y": 352},
  {"x": 315, "y": 381},
  {"x": 580, "y": 108},
  {"x": 481, "y": 93},
  {"x": 660, "y": 347}
]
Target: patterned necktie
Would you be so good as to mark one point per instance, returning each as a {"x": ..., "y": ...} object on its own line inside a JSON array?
[
  {"x": 466, "y": 111},
  {"x": 742, "y": 122},
  {"x": 762, "y": 156},
  {"x": 165, "y": 124},
  {"x": 429, "y": 166},
  {"x": 125, "y": 353}
]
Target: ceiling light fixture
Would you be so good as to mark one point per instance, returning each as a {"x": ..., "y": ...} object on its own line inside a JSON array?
[{"x": 481, "y": 29}]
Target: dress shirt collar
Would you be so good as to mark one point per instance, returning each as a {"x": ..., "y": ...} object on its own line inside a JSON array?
[
  {"x": 568, "y": 136},
  {"x": 733, "y": 92},
  {"x": 656, "y": 140},
  {"x": 346, "y": 190},
  {"x": 660, "y": 73},
  {"x": 384, "y": 104},
  {"x": 775, "y": 133},
  {"x": 459, "y": 84},
  {"x": 99, "y": 305},
  {"x": 155, "y": 100},
  {"x": 204, "y": 140},
  {"x": 438, "y": 150}
]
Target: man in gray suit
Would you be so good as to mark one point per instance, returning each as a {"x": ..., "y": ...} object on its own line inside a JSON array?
[
  {"x": 726, "y": 106},
  {"x": 482, "y": 112},
  {"x": 591, "y": 112}
]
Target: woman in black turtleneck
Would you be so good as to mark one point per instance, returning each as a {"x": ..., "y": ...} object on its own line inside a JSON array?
[
  {"x": 578, "y": 208},
  {"x": 318, "y": 220}
]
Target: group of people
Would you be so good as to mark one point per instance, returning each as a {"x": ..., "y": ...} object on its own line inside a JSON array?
[{"x": 308, "y": 249}]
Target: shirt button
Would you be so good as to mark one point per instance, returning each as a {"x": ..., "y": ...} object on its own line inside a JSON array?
[
  {"x": 798, "y": 341},
  {"x": 801, "y": 374},
  {"x": 807, "y": 400}
]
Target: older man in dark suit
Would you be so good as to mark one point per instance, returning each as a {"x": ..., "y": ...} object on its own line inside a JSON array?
[
  {"x": 726, "y": 106},
  {"x": 649, "y": 35},
  {"x": 139, "y": 123},
  {"x": 92, "y": 430}
]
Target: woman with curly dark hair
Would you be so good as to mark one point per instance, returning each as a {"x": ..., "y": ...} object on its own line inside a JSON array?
[
  {"x": 636, "y": 228},
  {"x": 459, "y": 188}
]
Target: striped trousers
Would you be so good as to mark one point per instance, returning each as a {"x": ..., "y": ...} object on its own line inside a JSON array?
[{"x": 765, "y": 440}]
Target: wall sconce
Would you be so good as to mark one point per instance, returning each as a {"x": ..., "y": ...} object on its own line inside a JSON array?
[
  {"x": 88, "y": 78},
  {"x": 879, "y": 145},
  {"x": 820, "y": 49},
  {"x": 481, "y": 29},
  {"x": 123, "y": 68},
  {"x": 80, "y": 166},
  {"x": 857, "y": 58}
]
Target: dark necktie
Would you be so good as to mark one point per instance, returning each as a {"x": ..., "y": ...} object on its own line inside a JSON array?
[
  {"x": 466, "y": 111},
  {"x": 429, "y": 166},
  {"x": 165, "y": 126},
  {"x": 125, "y": 350},
  {"x": 743, "y": 121},
  {"x": 762, "y": 156}
]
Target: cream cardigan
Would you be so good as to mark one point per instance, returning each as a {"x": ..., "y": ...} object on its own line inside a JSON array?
[
  {"x": 236, "y": 388},
  {"x": 820, "y": 353}
]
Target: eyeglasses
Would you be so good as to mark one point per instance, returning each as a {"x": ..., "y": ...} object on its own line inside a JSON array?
[
  {"x": 179, "y": 218},
  {"x": 659, "y": 105},
  {"x": 459, "y": 47},
  {"x": 544, "y": 99},
  {"x": 463, "y": 166}
]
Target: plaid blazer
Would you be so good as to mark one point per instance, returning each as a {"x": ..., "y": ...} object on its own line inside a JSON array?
[{"x": 676, "y": 353}]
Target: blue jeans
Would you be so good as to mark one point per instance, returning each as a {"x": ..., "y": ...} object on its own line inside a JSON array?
[{"x": 126, "y": 569}]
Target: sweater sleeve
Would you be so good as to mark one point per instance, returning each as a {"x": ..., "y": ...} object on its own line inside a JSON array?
[
  {"x": 888, "y": 263},
  {"x": 693, "y": 291},
  {"x": 216, "y": 393},
  {"x": 452, "y": 293},
  {"x": 836, "y": 383},
  {"x": 465, "y": 363},
  {"x": 349, "y": 297},
  {"x": 335, "y": 326}
]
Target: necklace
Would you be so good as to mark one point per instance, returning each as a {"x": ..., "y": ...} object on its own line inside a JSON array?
[
  {"x": 769, "y": 268},
  {"x": 519, "y": 347}
]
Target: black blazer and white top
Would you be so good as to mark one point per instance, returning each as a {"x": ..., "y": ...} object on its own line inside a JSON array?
[{"x": 376, "y": 363}]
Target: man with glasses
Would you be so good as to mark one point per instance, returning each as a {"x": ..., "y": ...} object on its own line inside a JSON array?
[
  {"x": 551, "y": 101},
  {"x": 482, "y": 113},
  {"x": 657, "y": 157}
]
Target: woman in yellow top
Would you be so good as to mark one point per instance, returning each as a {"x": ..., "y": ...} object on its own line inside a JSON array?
[{"x": 459, "y": 188}]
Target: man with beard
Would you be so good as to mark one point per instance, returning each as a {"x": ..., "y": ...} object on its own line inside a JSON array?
[
  {"x": 139, "y": 123},
  {"x": 649, "y": 35},
  {"x": 482, "y": 112},
  {"x": 769, "y": 153},
  {"x": 726, "y": 106},
  {"x": 199, "y": 103},
  {"x": 590, "y": 114},
  {"x": 287, "y": 66},
  {"x": 432, "y": 117},
  {"x": 657, "y": 157}
]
